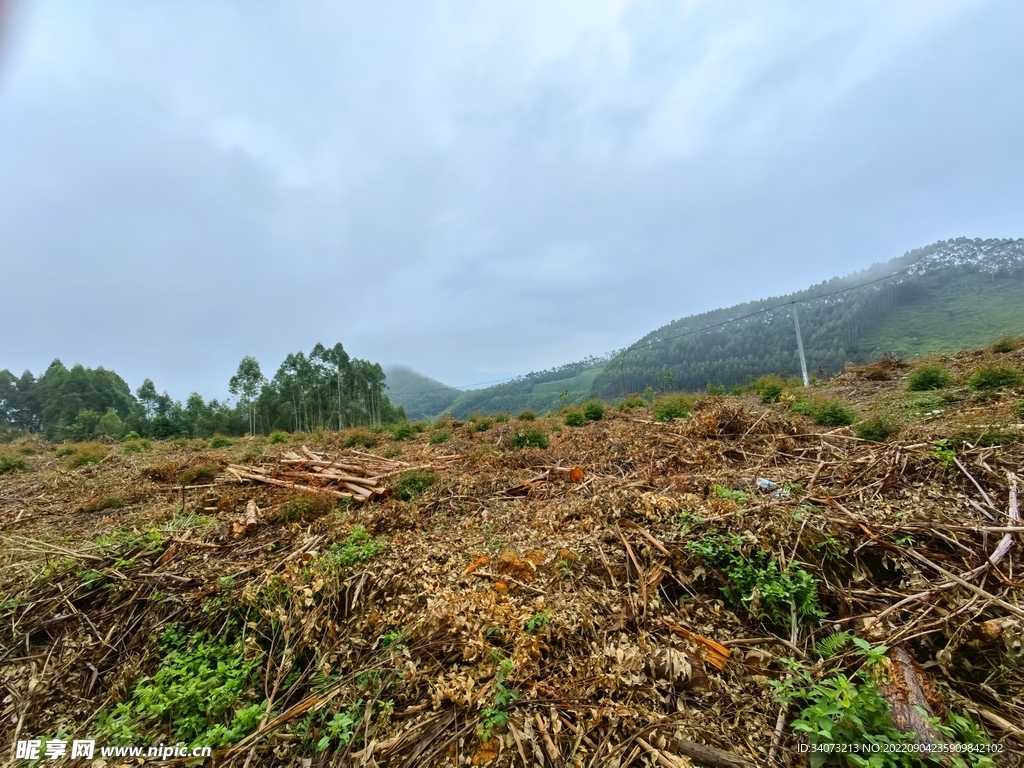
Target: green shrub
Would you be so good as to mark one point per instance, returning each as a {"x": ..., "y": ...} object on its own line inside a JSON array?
[
  {"x": 1018, "y": 409},
  {"x": 877, "y": 428},
  {"x": 593, "y": 410},
  {"x": 632, "y": 401},
  {"x": 528, "y": 437},
  {"x": 133, "y": 435},
  {"x": 277, "y": 437},
  {"x": 10, "y": 462},
  {"x": 994, "y": 377},
  {"x": 769, "y": 388},
  {"x": 501, "y": 418},
  {"x": 737, "y": 390},
  {"x": 136, "y": 446},
  {"x": 714, "y": 389},
  {"x": 574, "y": 417},
  {"x": 526, "y": 415},
  {"x": 927, "y": 377},
  {"x": 672, "y": 407},
  {"x": 219, "y": 441},
  {"x": 440, "y": 436},
  {"x": 482, "y": 425},
  {"x": 402, "y": 431},
  {"x": 409, "y": 485},
  {"x": 1005, "y": 344},
  {"x": 419, "y": 427},
  {"x": 360, "y": 437},
  {"x": 86, "y": 454},
  {"x": 832, "y": 413}
]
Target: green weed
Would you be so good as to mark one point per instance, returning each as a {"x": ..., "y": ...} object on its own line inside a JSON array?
[
  {"x": 631, "y": 401},
  {"x": 409, "y": 485},
  {"x": 277, "y": 437},
  {"x": 219, "y": 441},
  {"x": 482, "y": 425},
  {"x": 876, "y": 428},
  {"x": 10, "y": 462},
  {"x": 402, "y": 431},
  {"x": 672, "y": 407},
  {"x": 528, "y": 437},
  {"x": 440, "y": 436},
  {"x": 360, "y": 437},
  {"x": 574, "y": 417},
  {"x": 927, "y": 377},
  {"x": 358, "y": 547},
  {"x": 593, "y": 410},
  {"x": 197, "y": 693},
  {"x": 526, "y": 415},
  {"x": 995, "y": 377},
  {"x": 136, "y": 446},
  {"x": 740, "y": 497},
  {"x": 537, "y": 622},
  {"x": 755, "y": 583}
]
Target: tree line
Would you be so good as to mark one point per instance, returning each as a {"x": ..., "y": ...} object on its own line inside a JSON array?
[{"x": 325, "y": 389}]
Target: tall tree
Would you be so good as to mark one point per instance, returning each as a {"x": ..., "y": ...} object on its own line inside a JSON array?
[{"x": 245, "y": 385}]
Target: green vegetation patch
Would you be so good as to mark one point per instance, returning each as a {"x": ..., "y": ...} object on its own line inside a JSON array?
[
  {"x": 876, "y": 428},
  {"x": 219, "y": 441},
  {"x": 199, "y": 694},
  {"x": 672, "y": 407},
  {"x": 402, "y": 431},
  {"x": 769, "y": 388},
  {"x": 754, "y": 583},
  {"x": 83, "y": 454},
  {"x": 631, "y": 401},
  {"x": 361, "y": 438},
  {"x": 410, "y": 485},
  {"x": 528, "y": 437},
  {"x": 304, "y": 506},
  {"x": 593, "y": 410},
  {"x": 928, "y": 377},
  {"x": 823, "y": 412},
  {"x": 136, "y": 446},
  {"x": 277, "y": 437},
  {"x": 838, "y": 710},
  {"x": 574, "y": 417},
  {"x": 526, "y": 415},
  {"x": 358, "y": 547},
  {"x": 11, "y": 462},
  {"x": 995, "y": 377},
  {"x": 482, "y": 425},
  {"x": 440, "y": 436}
]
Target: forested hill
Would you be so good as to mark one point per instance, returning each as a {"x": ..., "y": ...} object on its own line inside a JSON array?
[
  {"x": 420, "y": 396},
  {"x": 947, "y": 296}
]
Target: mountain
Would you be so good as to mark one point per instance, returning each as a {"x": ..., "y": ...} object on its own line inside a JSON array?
[
  {"x": 947, "y": 296},
  {"x": 951, "y": 295},
  {"x": 421, "y": 396}
]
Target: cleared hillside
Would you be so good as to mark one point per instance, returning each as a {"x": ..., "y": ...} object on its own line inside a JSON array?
[{"x": 699, "y": 592}]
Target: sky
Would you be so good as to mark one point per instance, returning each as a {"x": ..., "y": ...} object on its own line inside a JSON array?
[{"x": 477, "y": 190}]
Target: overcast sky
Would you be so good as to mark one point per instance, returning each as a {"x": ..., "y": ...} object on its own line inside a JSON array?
[{"x": 474, "y": 189}]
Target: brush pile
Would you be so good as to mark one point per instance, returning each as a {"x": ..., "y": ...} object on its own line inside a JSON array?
[{"x": 685, "y": 598}]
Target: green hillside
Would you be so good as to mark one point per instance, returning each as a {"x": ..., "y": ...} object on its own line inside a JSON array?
[
  {"x": 421, "y": 396},
  {"x": 950, "y": 295},
  {"x": 540, "y": 391},
  {"x": 949, "y": 315}
]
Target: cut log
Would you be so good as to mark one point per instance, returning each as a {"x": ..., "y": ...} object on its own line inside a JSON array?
[
  {"x": 251, "y": 513},
  {"x": 910, "y": 697},
  {"x": 706, "y": 755}
]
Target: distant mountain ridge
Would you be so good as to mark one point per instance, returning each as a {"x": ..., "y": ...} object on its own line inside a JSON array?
[{"x": 950, "y": 295}]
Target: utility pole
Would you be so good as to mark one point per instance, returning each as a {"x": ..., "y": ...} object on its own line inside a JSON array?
[{"x": 800, "y": 345}]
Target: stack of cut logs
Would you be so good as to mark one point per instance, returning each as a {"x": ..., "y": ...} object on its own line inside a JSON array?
[{"x": 355, "y": 476}]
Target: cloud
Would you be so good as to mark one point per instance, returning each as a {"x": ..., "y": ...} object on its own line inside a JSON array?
[{"x": 475, "y": 190}]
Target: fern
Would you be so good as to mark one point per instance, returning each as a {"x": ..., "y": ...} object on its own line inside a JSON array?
[{"x": 829, "y": 646}]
